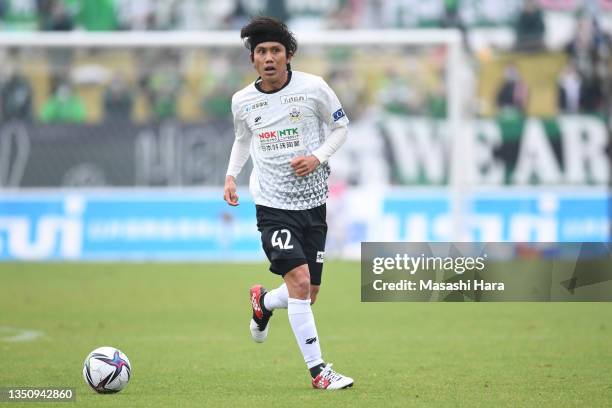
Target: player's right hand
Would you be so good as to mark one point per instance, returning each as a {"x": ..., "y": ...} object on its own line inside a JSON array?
[{"x": 229, "y": 191}]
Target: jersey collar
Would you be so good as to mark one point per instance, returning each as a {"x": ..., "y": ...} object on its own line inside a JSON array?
[{"x": 258, "y": 84}]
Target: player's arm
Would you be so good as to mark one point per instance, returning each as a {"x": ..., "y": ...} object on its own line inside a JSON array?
[
  {"x": 330, "y": 112},
  {"x": 238, "y": 157},
  {"x": 304, "y": 165}
]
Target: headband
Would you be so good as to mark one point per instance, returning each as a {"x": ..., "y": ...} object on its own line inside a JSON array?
[{"x": 259, "y": 38}]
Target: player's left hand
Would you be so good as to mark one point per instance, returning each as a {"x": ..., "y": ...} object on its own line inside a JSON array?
[{"x": 304, "y": 165}]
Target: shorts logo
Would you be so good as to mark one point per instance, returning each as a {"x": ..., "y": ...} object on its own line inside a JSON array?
[
  {"x": 320, "y": 256},
  {"x": 256, "y": 105},
  {"x": 293, "y": 98},
  {"x": 338, "y": 114}
]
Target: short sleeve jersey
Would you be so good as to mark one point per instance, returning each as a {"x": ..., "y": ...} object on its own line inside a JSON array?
[{"x": 281, "y": 125}]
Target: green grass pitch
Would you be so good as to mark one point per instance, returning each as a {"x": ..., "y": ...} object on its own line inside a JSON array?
[{"x": 185, "y": 329}]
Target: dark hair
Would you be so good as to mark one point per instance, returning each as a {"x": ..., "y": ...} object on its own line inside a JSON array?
[{"x": 261, "y": 29}]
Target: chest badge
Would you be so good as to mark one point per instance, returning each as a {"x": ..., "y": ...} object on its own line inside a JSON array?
[{"x": 294, "y": 114}]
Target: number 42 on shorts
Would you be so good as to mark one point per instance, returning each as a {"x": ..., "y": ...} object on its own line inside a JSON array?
[{"x": 277, "y": 239}]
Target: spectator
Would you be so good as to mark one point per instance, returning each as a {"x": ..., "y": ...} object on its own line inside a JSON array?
[
  {"x": 55, "y": 16},
  {"x": 118, "y": 101},
  {"x": 162, "y": 88},
  {"x": 583, "y": 46},
  {"x": 591, "y": 95},
  {"x": 136, "y": 14},
  {"x": 451, "y": 17},
  {"x": 513, "y": 93},
  {"x": 530, "y": 27},
  {"x": 590, "y": 50},
  {"x": 569, "y": 88},
  {"x": 15, "y": 96},
  {"x": 63, "y": 107}
]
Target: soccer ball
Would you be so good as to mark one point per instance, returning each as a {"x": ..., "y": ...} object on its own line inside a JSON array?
[{"x": 107, "y": 370}]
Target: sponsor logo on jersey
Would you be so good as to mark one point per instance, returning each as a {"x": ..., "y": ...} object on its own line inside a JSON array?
[
  {"x": 338, "y": 114},
  {"x": 280, "y": 141},
  {"x": 278, "y": 133},
  {"x": 295, "y": 115},
  {"x": 293, "y": 98},
  {"x": 256, "y": 105}
]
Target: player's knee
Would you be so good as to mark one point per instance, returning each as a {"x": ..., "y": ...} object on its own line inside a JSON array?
[
  {"x": 298, "y": 282},
  {"x": 303, "y": 287}
]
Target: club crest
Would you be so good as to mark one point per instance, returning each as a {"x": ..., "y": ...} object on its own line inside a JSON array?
[{"x": 294, "y": 114}]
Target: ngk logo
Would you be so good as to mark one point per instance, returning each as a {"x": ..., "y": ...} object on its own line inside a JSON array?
[{"x": 267, "y": 135}]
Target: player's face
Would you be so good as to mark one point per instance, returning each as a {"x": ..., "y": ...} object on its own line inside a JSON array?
[{"x": 270, "y": 61}]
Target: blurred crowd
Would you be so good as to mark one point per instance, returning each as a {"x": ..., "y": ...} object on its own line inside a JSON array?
[
  {"x": 162, "y": 83},
  {"x": 109, "y": 15},
  {"x": 584, "y": 82}
]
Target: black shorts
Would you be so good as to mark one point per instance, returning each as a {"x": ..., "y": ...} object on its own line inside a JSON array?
[{"x": 291, "y": 238}]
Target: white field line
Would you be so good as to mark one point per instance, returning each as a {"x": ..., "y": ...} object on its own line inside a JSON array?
[{"x": 14, "y": 335}]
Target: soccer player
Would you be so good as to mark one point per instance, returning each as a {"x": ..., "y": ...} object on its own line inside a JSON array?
[{"x": 290, "y": 123}]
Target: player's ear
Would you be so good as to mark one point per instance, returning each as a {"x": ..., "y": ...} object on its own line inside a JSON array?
[
  {"x": 252, "y": 57},
  {"x": 289, "y": 56}
]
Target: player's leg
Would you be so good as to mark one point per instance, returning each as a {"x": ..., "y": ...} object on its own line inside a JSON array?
[
  {"x": 280, "y": 239},
  {"x": 276, "y": 298},
  {"x": 304, "y": 328},
  {"x": 314, "y": 248},
  {"x": 301, "y": 317}
]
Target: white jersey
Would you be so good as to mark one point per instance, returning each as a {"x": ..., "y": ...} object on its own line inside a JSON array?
[{"x": 292, "y": 121}]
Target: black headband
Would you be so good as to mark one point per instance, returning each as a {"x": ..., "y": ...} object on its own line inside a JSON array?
[{"x": 257, "y": 39}]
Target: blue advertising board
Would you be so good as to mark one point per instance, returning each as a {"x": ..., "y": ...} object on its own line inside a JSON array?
[
  {"x": 198, "y": 225},
  {"x": 124, "y": 225}
]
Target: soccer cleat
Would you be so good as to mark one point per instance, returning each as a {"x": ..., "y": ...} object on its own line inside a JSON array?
[
  {"x": 261, "y": 316},
  {"x": 328, "y": 379}
]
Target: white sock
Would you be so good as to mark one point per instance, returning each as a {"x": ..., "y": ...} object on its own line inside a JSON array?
[
  {"x": 277, "y": 298},
  {"x": 303, "y": 325}
]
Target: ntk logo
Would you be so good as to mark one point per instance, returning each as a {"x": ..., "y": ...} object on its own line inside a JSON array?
[{"x": 279, "y": 133}]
